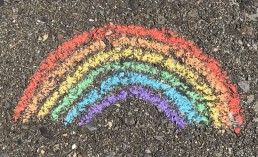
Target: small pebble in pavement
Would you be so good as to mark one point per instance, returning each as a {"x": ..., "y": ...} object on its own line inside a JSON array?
[
  {"x": 45, "y": 133},
  {"x": 130, "y": 121},
  {"x": 56, "y": 147},
  {"x": 109, "y": 124},
  {"x": 159, "y": 138},
  {"x": 91, "y": 126},
  {"x": 74, "y": 146},
  {"x": 250, "y": 99},
  {"x": 244, "y": 85},
  {"x": 161, "y": 20},
  {"x": 147, "y": 151},
  {"x": 256, "y": 106}
]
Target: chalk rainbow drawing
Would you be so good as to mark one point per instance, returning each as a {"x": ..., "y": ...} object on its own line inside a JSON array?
[{"x": 150, "y": 64}]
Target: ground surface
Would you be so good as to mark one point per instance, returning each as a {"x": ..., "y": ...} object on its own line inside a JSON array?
[{"x": 226, "y": 30}]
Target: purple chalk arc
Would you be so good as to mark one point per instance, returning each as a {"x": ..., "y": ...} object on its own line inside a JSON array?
[{"x": 134, "y": 92}]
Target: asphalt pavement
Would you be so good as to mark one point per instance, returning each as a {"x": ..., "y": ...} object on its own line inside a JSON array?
[{"x": 224, "y": 29}]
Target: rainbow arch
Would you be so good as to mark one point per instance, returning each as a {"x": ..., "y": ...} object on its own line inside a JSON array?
[{"x": 191, "y": 82}]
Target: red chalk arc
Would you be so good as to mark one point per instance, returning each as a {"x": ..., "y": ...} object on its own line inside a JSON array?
[{"x": 206, "y": 66}]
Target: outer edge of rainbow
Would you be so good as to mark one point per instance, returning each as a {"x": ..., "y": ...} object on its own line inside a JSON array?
[{"x": 96, "y": 31}]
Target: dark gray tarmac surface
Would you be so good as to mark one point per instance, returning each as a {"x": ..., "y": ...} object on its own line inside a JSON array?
[{"x": 224, "y": 29}]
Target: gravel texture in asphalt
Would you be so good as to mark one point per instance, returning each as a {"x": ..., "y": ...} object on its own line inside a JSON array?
[{"x": 224, "y": 29}]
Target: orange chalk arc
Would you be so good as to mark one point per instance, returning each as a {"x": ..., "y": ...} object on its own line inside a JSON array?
[{"x": 198, "y": 79}]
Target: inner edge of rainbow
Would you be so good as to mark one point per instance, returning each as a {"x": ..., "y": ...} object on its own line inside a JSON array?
[
  {"x": 138, "y": 92},
  {"x": 127, "y": 78}
]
